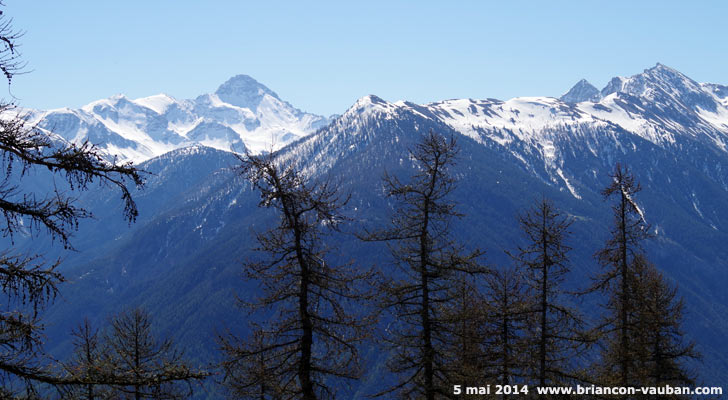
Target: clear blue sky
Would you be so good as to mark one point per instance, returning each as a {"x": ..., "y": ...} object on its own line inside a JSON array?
[{"x": 322, "y": 56}]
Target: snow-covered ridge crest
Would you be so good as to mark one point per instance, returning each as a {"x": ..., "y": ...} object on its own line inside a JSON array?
[
  {"x": 242, "y": 114},
  {"x": 660, "y": 106}
]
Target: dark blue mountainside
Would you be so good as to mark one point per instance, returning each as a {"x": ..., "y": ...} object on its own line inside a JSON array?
[{"x": 182, "y": 259}]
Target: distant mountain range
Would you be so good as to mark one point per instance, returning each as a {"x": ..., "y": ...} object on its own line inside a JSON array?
[
  {"x": 182, "y": 259},
  {"x": 241, "y": 114},
  {"x": 244, "y": 114}
]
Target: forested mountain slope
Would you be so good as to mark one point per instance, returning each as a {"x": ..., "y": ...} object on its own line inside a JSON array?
[{"x": 182, "y": 259}]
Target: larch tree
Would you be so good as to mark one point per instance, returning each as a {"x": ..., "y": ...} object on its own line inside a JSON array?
[
  {"x": 466, "y": 316},
  {"x": 506, "y": 344},
  {"x": 125, "y": 360},
  {"x": 137, "y": 365},
  {"x": 555, "y": 330},
  {"x": 427, "y": 263},
  {"x": 312, "y": 336},
  {"x": 620, "y": 260},
  {"x": 28, "y": 282},
  {"x": 664, "y": 349},
  {"x": 250, "y": 367},
  {"x": 87, "y": 362}
]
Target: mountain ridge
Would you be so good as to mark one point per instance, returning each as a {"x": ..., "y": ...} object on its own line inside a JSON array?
[
  {"x": 245, "y": 115},
  {"x": 531, "y": 128},
  {"x": 183, "y": 258},
  {"x": 241, "y": 115}
]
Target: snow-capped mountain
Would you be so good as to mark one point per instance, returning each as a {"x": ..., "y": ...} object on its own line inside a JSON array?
[
  {"x": 182, "y": 258},
  {"x": 241, "y": 114},
  {"x": 661, "y": 106},
  {"x": 658, "y": 105},
  {"x": 668, "y": 129}
]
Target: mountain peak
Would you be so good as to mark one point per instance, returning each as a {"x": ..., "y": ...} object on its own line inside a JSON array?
[
  {"x": 366, "y": 106},
  {"x": 243, "y": 91},
  {"x": 370, "y": 102},
  {"x": 664, "y": 85},
  {"x": 582, "y": 91},
  {"x": 664, "y": 73},
  {"x": 112, "y": 101},
  {"x": 371, "y": 99},
  {"x": 663, "y": 68}
]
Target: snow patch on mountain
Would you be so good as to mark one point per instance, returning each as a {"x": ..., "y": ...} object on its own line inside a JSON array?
[
  {"x": 158, "y": 103},
  {"x": 568, "y": 184}
]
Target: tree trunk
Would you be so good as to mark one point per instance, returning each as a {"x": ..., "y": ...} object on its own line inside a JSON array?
[
  {"x": 544, "y": 304},
  {"x": 624, "y": 345}
]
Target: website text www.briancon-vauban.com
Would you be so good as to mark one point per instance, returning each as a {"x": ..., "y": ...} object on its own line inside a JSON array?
[{"x": 586, "y": 390}]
